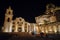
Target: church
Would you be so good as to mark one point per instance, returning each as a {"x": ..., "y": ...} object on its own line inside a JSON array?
[{"x": 46, "y": 23}]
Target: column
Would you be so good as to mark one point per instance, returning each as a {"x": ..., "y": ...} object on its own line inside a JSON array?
[
  {"x": 23, "y": 27},
  {"x": 6, "y": 27},
  {"x": 27, "y": 27},
  {"x": 59, "y": 29},
  {"x": 55, "y": 29},
  {"x": 34, "y": 27},
  {"x": 10, "y": 27},
  {"x": 16, "y": 27}
]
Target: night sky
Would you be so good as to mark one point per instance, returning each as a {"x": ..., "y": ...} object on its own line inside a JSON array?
[{"x": 27, "y": 9}]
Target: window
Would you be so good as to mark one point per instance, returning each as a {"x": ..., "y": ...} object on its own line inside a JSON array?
[
  {"x": 21, "y": 22},
  {"x": 13, "y": 22},
  {"x": 13, "y": 27},
  {"x": 17, "y": 22},
  {"x": 8, "y": 19},
  {"x": 9, "y": 12},
  {"x": 12, "y": 30},
  {"x": 25, "y": 30},
  {"x": 19, "y": 29},
  {"x": 20, "y": 19},
  {"x": 25, "y": 23}
]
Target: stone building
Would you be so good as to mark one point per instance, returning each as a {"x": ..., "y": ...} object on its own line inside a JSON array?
[
  {"x": 17, "y": 25},
  {"x": 44, "y": 23}
]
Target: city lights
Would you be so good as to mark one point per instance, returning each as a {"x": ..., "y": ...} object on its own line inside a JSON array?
[{"x": 44, "y": 24}]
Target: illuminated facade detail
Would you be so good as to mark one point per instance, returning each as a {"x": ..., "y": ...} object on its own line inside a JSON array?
[
  {"x": 8, "y": 20},
  {"x": 44, "y": 24},
  {"x": 58, "y": 29},
  {"x": 53, "y": 19}
]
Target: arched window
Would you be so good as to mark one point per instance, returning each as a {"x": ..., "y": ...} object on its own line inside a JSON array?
[
  {"x": 20, "y": 19},
  {"x": 9, "y": 12},
  {"x": 8, "y": 19}
]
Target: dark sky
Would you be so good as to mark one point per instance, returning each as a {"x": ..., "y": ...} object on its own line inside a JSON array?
[{"x": 25, "y": 8}]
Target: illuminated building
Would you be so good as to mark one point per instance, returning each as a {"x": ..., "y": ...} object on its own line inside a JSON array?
[{"x": 44, "y": 23}]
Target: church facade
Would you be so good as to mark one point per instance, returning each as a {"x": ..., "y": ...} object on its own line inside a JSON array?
[{"x": 46, "y": 23}]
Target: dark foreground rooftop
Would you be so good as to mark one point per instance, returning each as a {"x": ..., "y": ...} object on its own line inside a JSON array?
[{"x": 18, "y": 36}]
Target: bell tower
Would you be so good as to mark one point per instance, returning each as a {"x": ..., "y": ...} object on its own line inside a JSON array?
[
  {"x": 8, "y": 15},
  {"x": 8, "y": 19}
]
